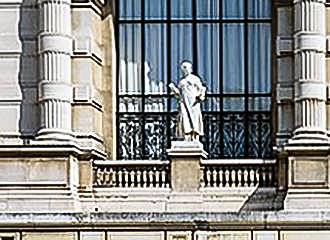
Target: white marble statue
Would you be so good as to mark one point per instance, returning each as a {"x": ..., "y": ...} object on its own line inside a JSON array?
[{"x": 190, "y": 93}]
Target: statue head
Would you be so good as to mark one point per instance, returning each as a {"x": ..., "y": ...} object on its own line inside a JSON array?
[{"x": 186, "y": 68}]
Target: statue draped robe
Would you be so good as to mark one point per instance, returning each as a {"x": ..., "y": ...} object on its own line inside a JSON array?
[{"x": 190, "y": 116}]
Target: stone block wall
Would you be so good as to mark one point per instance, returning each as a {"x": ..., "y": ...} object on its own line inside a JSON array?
[
  {"x": 87, "y": 75},
  {"x": 56, "y": 75},
  {"x": 18, "y": 66},
  {"x": 56, "y": 111},
  {"x": 284, "y": 71}
]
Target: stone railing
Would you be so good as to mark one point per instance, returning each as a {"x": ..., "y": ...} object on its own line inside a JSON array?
[
  {"x": 238, "y": 173},
  {"x": 187, "y": 182},
  {"x": 131, "y": 174}
]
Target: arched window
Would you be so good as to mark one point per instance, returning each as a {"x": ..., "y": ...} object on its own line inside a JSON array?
[{"x": 229, "y": 44}]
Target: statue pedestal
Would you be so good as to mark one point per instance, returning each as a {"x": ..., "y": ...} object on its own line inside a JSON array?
[
  {"x": 185, "y": 159},
  {"x": 185, "y": 165}
]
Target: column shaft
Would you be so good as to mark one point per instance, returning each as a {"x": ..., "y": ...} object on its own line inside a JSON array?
[
  {"x": 310, "y": 77},
  {"x": 55, "y": 49}
]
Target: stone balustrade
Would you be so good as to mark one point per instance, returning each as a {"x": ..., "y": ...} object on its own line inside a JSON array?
[
  {"x": 156, "y": 174},
  {"x": 238, "y": 173},
  {"x": 131, "y": 174},
  {"x": 184, "y": 182}
]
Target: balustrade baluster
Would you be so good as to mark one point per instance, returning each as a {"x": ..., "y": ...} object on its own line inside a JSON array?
[
  {"x": 99, "y": 177},
  {"x": 264, "y": 175},
  {"x": 227, "y": 176},
  {"x": 270, "y": 177},
  {"x": 239, "y": 176},
  {"x": 246, "y": 177},
  {"x": 163, "y": 178},
  {"x": 208, "y": 177},
  {"x": 257, "y": 176},
  {"x": 220, "y": 177},
  {"x": 126, "y": 176},
  {"x": 252, "y": 175},
  {"x": 151, "y": 178},
  {"x": 132, "y": 178},
  {"x": 233, "y": 177},
  {"x": 113, "y": 178},
  {"x": 214, "y": 178},
  {"x": 120, "y": 178},
  {"x": 105, "y": 176},
  {"x": 167, "y": 177},
  {"x": 144, "y": 178},
  {"x": 138, "y": 178},
  {"x": 157, "y": 178}
]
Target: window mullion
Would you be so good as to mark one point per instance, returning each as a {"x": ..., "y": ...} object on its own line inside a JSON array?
[
  {"x": 194, "y": 33},
  {"x": 117, "y": 44},
  {"x": 169, "y": 75},
  {"x": 246, "y": 82},
  {"x": 143, "y": 121},
  {"x": 221, "y": 79}
]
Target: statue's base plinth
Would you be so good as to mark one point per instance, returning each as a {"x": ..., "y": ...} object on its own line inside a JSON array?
[{"x": 185, "y": 165}]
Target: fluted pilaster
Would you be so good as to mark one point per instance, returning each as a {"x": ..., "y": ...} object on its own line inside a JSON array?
[
  {"x": 310, "y": 76},
  {"x": 55, "y": 49}
]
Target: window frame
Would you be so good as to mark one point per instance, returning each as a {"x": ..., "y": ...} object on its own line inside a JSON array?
[{"x": 194, "y": 22}]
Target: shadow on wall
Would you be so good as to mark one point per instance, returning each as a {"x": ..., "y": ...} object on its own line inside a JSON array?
[
  {"x": 265, "y": 199},
  {"x": 28, "y": 70}
]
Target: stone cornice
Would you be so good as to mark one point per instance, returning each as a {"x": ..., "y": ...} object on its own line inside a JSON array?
[
  {"x": 281, "y": 220},
  {"x": 50, "y": 149},
  {"x": 96, "y": 5},
  {"x": 283, "y": 3}
]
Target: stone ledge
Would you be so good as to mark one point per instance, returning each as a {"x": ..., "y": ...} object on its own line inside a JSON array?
[
  {"x": 187, "y": 149},
  {"x": 49, "y": 149},
  {"x": 164, "y": 200},
  {"x": 279, "y": 220},
  {"x": 94, "y": 5}
]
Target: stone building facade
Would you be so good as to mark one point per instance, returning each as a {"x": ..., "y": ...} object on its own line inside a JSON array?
[{"x": 63, "y": 169}]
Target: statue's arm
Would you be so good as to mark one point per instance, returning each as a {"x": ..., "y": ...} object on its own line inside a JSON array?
[
  {"x": 203, "y": 93},
  {"x": 174, "y": 90},
  {"x": 202, "y": 90}
]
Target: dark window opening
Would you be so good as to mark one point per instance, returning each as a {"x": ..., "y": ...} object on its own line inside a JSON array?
[{"x": 229, "y": 44}]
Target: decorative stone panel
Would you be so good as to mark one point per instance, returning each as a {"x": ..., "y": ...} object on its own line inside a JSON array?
[
  {"x": 223, "y": 235},
  {"x": 305, "y": 235},
  {"x": 92, "y": 235},
  {"x": 265, "y": 235},
  {"x": 308, "y": 171},
  {"x": 135, "y": 235},
  {"x": 179, "y": 235},
  {"x": 49, "y": 235}
]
